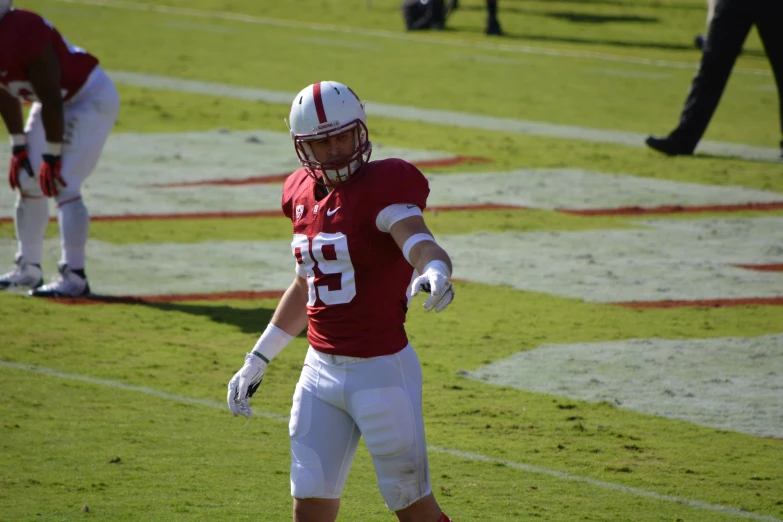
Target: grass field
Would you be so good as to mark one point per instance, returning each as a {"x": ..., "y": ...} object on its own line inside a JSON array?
[{"x": 648, "y": 289}]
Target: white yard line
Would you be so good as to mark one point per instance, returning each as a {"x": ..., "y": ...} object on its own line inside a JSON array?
[
  {"x": 440, "y": 117},
  {"x": 697, "y": 504},
  {"x": 394, "y": 35}
]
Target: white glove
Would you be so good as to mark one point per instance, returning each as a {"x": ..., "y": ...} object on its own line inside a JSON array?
[
  {"x": 434, "y": 280},
  {"x": 244, "y": 384}
]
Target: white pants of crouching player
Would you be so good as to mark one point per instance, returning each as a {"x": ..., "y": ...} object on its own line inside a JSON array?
[
  {"x": 340, "y": 399},
  {"x": 89, "y": 118}
]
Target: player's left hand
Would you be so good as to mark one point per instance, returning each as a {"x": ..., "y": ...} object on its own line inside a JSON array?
[
  {"x": 19, "y": 162},
  {"x": 49, "y": 175},
  {"x": 244, "y": 384},
  {"x": 435, "y": 281}
]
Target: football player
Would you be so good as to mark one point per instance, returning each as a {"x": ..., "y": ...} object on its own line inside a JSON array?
[
  {"x": 362, "y": 251},
  {"x": 74, "y": 107}
]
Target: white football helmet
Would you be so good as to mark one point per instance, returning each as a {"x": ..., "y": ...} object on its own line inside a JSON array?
[
  {"x": 323, "y": 110},
  {"x": 5, "y": 6}
]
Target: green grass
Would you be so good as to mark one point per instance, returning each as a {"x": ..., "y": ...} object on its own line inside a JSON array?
[{"x": 185, "y": 461}]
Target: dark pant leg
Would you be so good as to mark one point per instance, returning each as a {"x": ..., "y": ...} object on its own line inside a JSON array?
[
  {"x": 492, "y": 8},
  {"x": 727, "y": 32},
  {"x": 769, "y": 21}
]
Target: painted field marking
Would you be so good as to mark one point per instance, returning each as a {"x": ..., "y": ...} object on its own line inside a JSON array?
[
  {"x": 133, "y": 164},
  {"x": 703, "y": 303},
  {"x": 208, "y": 174},
  {"x": 664, "y": 261},
  {"x": 442, "y": 117},
  {"x": 717, "y": 508},
  {"x": 728, "y": 383},
  {"x": 659, "y": 263},
  {"x": 401, "y": 35},
  {"x": 280, "y": 178},
  {"x": 772, "y": 267}
]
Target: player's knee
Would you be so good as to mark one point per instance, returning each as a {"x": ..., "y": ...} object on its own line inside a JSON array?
[
  {"x": 385, "y": 418},
  {"x": 402, "y": 492},
  {"x": 69, "y": 195},
  {"x": 306, "y": 509}
]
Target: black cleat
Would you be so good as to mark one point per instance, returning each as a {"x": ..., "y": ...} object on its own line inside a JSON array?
[{"x": 668, "y": 146}]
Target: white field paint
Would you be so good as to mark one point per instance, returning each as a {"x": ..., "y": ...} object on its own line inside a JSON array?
[
  {"x": 132, "y": 164},
  {"x": 661, "y": 260},
  {"x": 426, "y": 40},
  {"x": 727, "y": 383},
  {"x": 442, "y": 117},
  {"x": 577, "y": 189},
  {"x": 664, "y": 260},
  {"x": 601, "y": 484}
]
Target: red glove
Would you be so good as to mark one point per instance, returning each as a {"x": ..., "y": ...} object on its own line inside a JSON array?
[
  {"x": 49, "y": 175},
  {"x": 19, "y": 162}
]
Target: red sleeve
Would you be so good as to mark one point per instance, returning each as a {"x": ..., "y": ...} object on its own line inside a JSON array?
[
  {"x": 287, "y": 198},
  {"x": 400, "y": 182},
  {"x": 33, "y": 35},
  {"x": 290, "y": 187}
]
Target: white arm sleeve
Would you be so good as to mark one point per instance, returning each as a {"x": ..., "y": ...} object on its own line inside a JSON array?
[{"x": 394, "y": 213}]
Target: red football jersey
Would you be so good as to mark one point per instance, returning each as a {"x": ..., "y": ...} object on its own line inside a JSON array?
[
  {"x": 23, "y": 36},
  {"x": 356, "y": 275}
]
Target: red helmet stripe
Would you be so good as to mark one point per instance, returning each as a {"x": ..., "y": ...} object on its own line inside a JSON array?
[{"x": 319, "y": 103}]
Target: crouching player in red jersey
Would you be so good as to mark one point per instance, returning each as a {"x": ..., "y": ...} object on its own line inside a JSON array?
[
  {"x": 362, "y": 252},
  {"x": 75, "y": 106}
]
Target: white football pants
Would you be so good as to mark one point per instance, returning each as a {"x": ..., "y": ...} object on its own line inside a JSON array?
[
  {"x": 340, "y": 399},
  {"x": 89, "y": 117}
]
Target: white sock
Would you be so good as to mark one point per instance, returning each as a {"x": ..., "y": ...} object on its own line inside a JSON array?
[
  {"x": 32, "y": 215},
  {"x": 74, "y": 225}
]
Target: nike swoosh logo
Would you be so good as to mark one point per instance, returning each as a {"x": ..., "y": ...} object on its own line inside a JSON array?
[
  {"x": 411, "y": 206},
  {"x": 330, "y": 212}
]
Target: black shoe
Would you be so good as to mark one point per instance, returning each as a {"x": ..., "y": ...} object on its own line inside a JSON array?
[
  {"x": 668, "y": 146},
  {"x": 493, "y": 27},
  {"x": 699, "y": 41}
]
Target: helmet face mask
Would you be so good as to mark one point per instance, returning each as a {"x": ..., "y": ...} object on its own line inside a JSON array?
[{"x": 322, "y": 111}]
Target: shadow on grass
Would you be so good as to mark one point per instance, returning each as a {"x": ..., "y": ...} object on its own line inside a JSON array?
[
  {"x": 211, "y": 306},
  {"x": 248, "y": 320}
]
